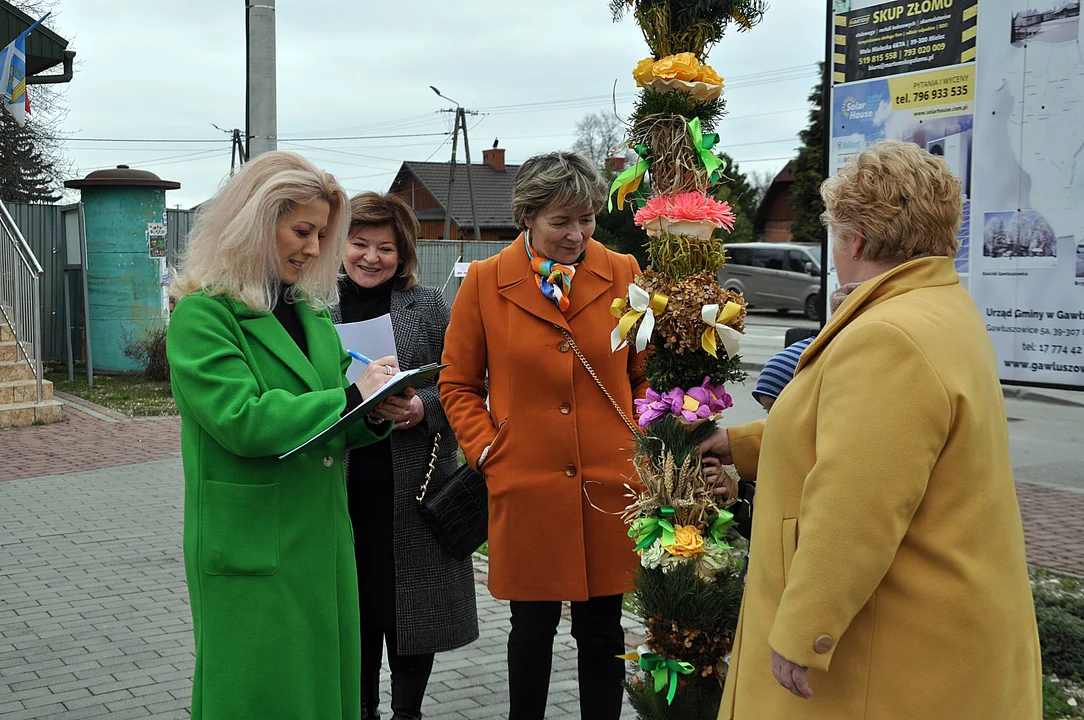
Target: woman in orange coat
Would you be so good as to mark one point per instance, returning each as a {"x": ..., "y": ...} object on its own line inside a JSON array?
[{"x": 550, "y": 443}]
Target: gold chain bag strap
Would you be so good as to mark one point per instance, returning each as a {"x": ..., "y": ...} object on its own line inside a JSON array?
[
  {"x": 457, "y": 512},
  {"x": 591, "y": 371}
]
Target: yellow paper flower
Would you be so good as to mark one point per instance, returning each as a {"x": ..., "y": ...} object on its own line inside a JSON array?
[
  {"x": 688, "y": 542},
  {"x": 709, "y": 76},
  {"x": 643, "y": 74},
  {"x": 683, "y": 66}
]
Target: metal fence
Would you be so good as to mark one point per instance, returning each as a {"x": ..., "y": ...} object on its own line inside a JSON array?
[
  {"x": 437, "y": 258},
  {"x": 20, "y": 295},
  {"x": 45, "y": 230}
]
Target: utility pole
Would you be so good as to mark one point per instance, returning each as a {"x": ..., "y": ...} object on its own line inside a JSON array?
[
  {"x": 460, "y": 124},
  {"x": 261, "y": 116},
  {"x": 237, "y": 151},
  {"x": 451, "y": 180}
]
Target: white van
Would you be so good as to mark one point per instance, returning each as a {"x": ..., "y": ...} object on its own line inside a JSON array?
[{"x": 775, "y": 276}]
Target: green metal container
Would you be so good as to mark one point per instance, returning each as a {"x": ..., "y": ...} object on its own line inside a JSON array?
[{"x": 124, "y": 213}]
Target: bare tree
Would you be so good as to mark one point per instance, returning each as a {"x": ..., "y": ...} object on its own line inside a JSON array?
[
  {"x": 599, "y": 136},
  {"x": 32, "y": 162}
]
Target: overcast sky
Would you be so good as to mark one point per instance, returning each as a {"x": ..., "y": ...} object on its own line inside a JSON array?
[{"x": 168, "y": 69}]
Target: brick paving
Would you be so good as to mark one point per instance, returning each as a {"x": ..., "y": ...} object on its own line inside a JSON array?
[
  {"x": 84, "y": 442},
  {"x": 1053, "y": 527},
  {"x": 94, "y": 617}
]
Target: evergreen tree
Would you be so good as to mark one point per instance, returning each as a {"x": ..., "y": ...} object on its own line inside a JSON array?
[
  {"x": 742, "y": 197},
  {"x": 617, "y": 230},
  {"x": 30, "y": 167},
  {"x": 809, "y": 172}
]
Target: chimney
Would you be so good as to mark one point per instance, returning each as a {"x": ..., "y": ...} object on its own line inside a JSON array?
[
  {"x": 494, "y": 157},
  {"x": 615, "y": 164}
]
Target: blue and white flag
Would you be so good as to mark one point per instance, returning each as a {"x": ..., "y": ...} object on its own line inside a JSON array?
[{"x": 13, "y": 75}]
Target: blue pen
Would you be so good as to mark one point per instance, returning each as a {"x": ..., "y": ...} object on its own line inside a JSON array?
[{"x": 359, "y": 357}]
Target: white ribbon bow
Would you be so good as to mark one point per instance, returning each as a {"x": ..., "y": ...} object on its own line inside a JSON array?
[
  {"x": 730, "y": 337},
  {"x": 640, "y": 305}
]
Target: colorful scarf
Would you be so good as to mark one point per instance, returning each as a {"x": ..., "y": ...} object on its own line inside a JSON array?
[{"x": 553, "y": 278}]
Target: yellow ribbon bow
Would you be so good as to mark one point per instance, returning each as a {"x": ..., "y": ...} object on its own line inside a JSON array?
[
  {"x": 645, "y": 306},
  {"x": 716, "y": 321}
]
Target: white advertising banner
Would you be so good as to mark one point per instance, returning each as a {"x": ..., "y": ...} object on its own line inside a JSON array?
[{"x": 1008, "y": 120}]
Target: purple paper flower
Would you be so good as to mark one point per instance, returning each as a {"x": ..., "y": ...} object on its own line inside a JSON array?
[
  {"x": 655, "y": 406},
  {"x": 700, "y": 403},
  {"x": 704, "y": 402}
]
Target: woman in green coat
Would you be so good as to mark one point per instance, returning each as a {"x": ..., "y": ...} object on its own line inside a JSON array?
[{"x": 257, "y": 368}]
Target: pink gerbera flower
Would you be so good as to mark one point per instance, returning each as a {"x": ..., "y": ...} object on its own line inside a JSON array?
[{"x": 689, "y": 207}]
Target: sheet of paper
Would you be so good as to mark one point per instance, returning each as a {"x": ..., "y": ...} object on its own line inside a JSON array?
[
  {"x": 461, "y": 269},
  {"x": 372, "y": 338},
  {"x": 395, "y": 385}
]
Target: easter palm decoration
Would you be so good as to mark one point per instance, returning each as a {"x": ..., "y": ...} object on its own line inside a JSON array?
[{"x": 692, "y": 557}]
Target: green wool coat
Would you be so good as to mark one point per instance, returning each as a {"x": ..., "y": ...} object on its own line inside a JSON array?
[{"x": 268, "y": 544}]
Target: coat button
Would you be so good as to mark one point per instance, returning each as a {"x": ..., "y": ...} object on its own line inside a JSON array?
[
  {"x": 563, "y": 346},
  {"x": 565, "y": 408},
  {"x": 824, "y": 644},
  {"x": 328, "y": 462},
  {"x": 570, "y": 471}
]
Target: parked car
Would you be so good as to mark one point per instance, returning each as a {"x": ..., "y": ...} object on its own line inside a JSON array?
[{"x": 776, "y": 276}]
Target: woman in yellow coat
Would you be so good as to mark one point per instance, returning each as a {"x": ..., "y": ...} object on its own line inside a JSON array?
[{"x": 887, "y": 577}]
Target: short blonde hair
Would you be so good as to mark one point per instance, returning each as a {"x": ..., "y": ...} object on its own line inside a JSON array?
[
  {"x": 370, "y": 209},
  {"x": 905, "y": 202},
  {"x": 564, "y": 179},
  {"x": 233, "y": 247}
]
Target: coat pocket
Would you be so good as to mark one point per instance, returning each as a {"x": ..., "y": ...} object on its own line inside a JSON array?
[
  {"x": 790, "y": 544},
  {"x": 239, "y": 529}
]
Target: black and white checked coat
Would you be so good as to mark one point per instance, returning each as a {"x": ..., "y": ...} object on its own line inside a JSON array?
[{"x": 434, "y": 593}]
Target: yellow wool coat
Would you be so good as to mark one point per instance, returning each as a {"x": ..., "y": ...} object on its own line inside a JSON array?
[{"x": 887, "y": 550}]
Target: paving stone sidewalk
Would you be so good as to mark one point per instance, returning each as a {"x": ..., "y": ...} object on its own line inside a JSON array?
[{"x": 94, "y": 616}]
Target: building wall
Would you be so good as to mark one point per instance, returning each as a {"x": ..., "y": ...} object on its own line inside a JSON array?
[
  {"x": 417, "y": 196},
  {"x": 779, "y": 215},
  {"x": 777, "y": 231}
]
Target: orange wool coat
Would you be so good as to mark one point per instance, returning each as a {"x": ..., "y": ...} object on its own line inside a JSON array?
[{"x": 558, "y": 446}]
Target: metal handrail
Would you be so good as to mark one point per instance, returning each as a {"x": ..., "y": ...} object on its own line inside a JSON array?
[{"x": 20, "y": 294}]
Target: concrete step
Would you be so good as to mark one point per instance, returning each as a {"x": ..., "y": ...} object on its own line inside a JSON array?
[
  {"x": 9, "y": 351},
  {"x": 23, "y": 414},
  {"x": 6, "y": 334},
  {"x": 17, "y": 370},
  {"x": 24, "y": 391}
]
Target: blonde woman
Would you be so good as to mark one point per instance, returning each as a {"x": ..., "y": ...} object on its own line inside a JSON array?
[
  {"x": 257, "y": 369},
  {"x": 887, "y": 577}
]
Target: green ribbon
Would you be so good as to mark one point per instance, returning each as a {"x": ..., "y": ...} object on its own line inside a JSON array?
[
  {"x": 703, "y": 143},
  {"x": 647, "y": 530},
  {"x": 719, "y": 527},
  {"x": 665, "y": 673},
  {"x": 629, "y": 181}
]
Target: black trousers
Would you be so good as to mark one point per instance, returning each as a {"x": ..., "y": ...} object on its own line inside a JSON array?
[
  {"x": 372, "y": 651},
  {"x": 596, "y": 626}
]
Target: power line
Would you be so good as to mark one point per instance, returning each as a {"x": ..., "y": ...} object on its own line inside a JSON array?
[
  {"x": 219, "y": 141},
  {"x": 168, "y": 160}
]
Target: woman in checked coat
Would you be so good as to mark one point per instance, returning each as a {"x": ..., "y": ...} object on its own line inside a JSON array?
[{"x": 414, "y": 596}]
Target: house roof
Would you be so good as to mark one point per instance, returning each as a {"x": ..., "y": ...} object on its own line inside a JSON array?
[
  {"x": 44, "y": 48},
  {"x": 492, "y": 192}
]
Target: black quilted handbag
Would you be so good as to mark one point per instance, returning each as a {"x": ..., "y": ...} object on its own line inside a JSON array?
[{"x": 458, "y": 511}]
